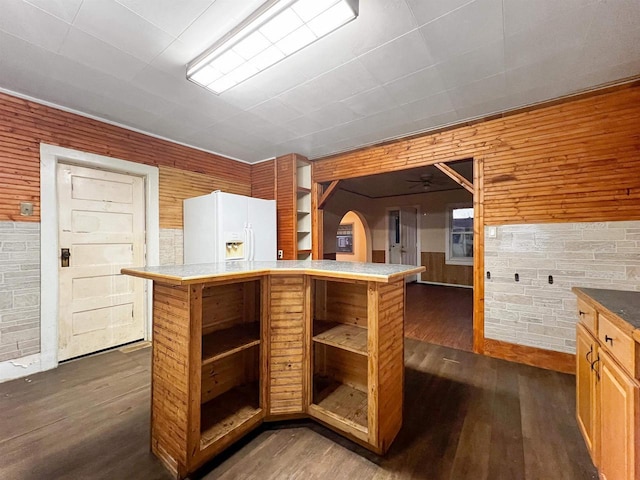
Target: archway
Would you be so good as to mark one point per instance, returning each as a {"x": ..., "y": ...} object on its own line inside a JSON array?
[{"x": 353, "y": 238}]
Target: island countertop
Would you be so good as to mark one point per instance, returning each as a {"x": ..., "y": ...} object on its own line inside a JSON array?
[{"x": 202, "y": 272}]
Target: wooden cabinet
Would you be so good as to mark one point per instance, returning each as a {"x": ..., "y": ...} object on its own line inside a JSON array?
[
  {"x": 618, "y": 400},
  {"x": 293, "y": 196},
  {"x": 357, "y": 371},
  {"x": 207, "y": 363},
  {"x": 607, "y": 390},
  {"x": 586, "y": 356},
  {"x": 234, "y": 346}
]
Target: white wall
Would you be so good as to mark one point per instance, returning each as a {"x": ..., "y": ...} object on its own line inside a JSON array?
[
  {"x": 432, "y": 219},
  {"x": 359, "y": 240},
  {"x": 532, "y": 312}
]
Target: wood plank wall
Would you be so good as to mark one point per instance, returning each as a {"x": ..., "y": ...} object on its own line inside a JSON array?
[
  {"x": 572, "y": 161},
  {"x": 24, "y": 124},
  {"x": 263, "y": 180},
  {"x": 176, "y": 185},
  {"x": 439, "y": 271},
  {"x": 286, "y": 209}
]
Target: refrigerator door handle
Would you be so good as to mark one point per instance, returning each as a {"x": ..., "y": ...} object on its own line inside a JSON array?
[
  {"x": 247, "y": 243},
  {"x": 253, "y": 244}
]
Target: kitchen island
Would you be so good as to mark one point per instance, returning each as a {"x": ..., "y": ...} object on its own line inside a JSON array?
[{"x": 239, "y": 343}]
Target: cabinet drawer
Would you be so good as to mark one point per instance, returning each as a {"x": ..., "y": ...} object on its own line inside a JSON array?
[
  {"x": 620, "y": 345},
  {"x": 587, "y": 315}
]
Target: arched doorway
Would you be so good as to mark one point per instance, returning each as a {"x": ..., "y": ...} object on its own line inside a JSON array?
[{"x": 353, "y": 238}]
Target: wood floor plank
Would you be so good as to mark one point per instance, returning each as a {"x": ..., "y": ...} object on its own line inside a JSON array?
[
  {"x": 467, "y": 417},
  {"x": 440, "y": 315}
]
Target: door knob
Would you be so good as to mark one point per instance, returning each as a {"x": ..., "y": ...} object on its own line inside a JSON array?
[{"x": 65, "y": 255}]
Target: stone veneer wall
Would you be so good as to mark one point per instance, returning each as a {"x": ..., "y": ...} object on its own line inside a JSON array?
[
  {"x": 532, "y": 312},
  {"x": 19, "y": 289},
  {"x": 171, "y": 246}
]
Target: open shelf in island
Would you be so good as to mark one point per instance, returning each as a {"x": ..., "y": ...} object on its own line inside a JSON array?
[
  {"x": 338, "y": 402},
  {"x": 228, "y": 411},
  {"x": 221, "y": 343},
  {"x": 341, "y": 335}
]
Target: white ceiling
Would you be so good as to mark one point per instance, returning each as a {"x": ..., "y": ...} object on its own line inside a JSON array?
[{"x": 404, "y": 66}]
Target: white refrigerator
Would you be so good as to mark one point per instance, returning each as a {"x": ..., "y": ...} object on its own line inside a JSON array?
[{"x": 221, "y": 227}]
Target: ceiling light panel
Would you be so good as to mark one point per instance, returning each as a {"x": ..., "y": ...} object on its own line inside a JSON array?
[{"x": 277, "y": 30}]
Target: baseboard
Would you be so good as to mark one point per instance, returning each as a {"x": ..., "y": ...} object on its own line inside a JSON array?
[
  {"x": 536, "y": 357},
  {"x": 445, "y": 284},
  {"x": 20, "y": 367}
]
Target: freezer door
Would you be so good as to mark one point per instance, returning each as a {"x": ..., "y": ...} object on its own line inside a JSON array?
[
  {"x": 199, "y": 229},
  {"x": 231, "y": 212},
  {"x": 262, "y": 222}
]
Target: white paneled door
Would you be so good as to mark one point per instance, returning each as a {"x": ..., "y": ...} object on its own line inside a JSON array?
[
  {"x": 101, "y": 230},
  {"x": 403, "y": 237}
]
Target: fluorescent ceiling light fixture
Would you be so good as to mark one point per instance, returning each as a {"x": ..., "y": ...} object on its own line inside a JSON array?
[{"x": 275, "y": 31}]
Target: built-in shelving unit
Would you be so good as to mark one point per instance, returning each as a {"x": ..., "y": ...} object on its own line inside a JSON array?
[
  {"x": 303, "y": 209},
  {"x": 341, "y": 335},
  {"x": 341, "y": 355},
  {"x": 222, "y": 343},
  {"x": 230, "y": 380}
]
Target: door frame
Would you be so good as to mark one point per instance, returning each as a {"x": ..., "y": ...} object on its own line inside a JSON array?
[
  {"x": 50, "y": 156},
  {"x": 418, "y": 227}
]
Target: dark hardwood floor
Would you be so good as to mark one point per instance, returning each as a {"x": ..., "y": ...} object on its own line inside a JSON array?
[
  {"x": 440, "y": 315},
  {"x": 466, "y": 417}
]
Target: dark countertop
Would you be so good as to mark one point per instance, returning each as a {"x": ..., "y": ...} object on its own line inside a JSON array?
[{"x": 623, "y": 304}]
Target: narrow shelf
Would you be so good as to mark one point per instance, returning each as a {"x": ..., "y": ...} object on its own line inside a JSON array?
[
  {"x": 341, "y": 401},
  {"x": 227, "y": 412},
  {"x": 303, "y": 212},
  {"x": 303, "y": 190},
  {"x": 341, "y": 335},
  {"x": 222, "y": 343},
  {"x": 300, "y": 232}
]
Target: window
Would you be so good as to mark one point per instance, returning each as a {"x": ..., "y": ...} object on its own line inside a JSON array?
[{"x": 459, "y": 231}]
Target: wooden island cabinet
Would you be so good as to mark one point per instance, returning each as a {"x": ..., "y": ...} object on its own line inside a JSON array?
[
  {"x": 607, "y": 380},
  {"x": 236, "y": 344}
]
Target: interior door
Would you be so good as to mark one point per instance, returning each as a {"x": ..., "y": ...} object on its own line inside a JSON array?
[
  {"x": 409, "y": 238},
  {"x": 403, "y": 237},
  {"x": 395, "y": 242},
  {"x": 101, "y": 230}
]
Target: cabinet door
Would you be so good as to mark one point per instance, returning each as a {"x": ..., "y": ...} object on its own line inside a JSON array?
[
  {"x": 586, "y": 354},
  {"x": 618, "y": 422}
]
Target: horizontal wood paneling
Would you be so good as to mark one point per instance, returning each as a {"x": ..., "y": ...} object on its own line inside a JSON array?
[
  {"x": 263, "y": 180},
  {"x": 176, "y": 185},
  {"x": 573, "y": 161},
  {"x": 438, "y": 270},
  {"x": 378, "y": 256},
  {"x": 170, "y": 391},
  {"x": 25, "y": 124},
  {"x": 286, "y": 208},
  {"x": 287, "y": 330}
]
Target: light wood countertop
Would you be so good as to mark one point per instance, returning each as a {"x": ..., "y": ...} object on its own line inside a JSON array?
[{"x": 205, "y": 272}]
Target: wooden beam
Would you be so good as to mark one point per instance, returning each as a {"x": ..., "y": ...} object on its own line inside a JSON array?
[
  {"x": 455, "y": 176},
  {"x": 327, "y": 194},
  {"x": 478, "y": 256}
]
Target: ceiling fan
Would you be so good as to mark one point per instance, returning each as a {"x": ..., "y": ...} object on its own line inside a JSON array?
[{"x": 427, "y": 181}]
